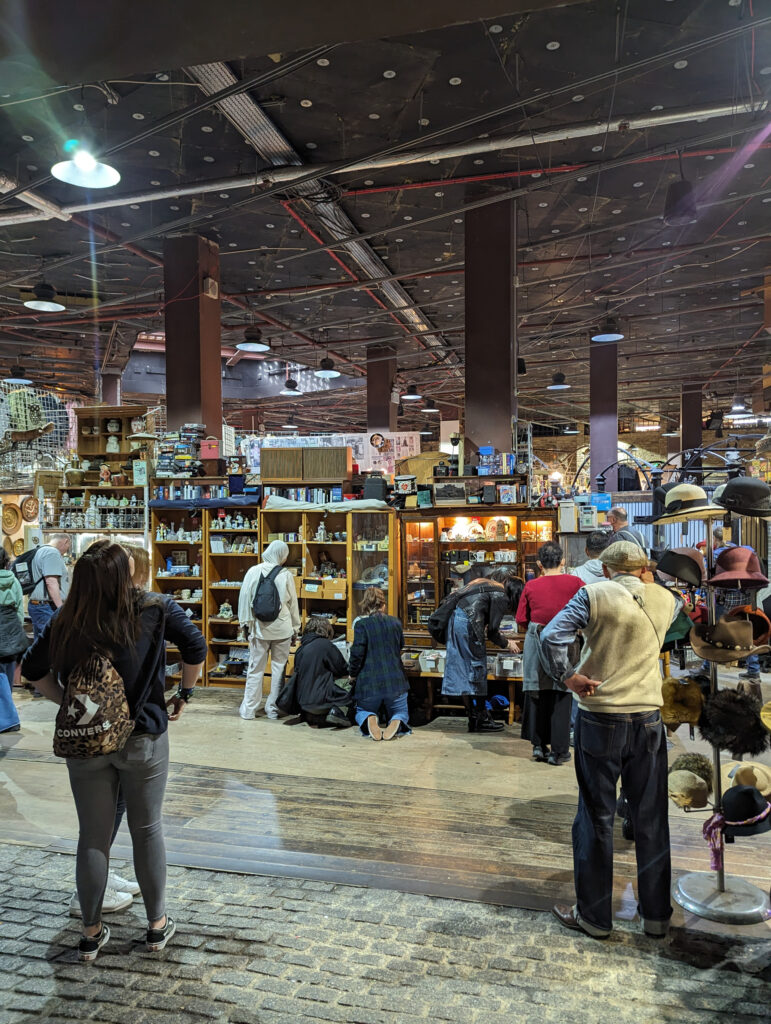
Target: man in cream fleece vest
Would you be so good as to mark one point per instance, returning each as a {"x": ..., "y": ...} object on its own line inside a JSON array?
[{"x": 618, "y": 734}]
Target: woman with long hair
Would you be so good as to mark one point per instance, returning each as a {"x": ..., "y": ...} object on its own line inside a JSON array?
[{"x": 106, "y": 615}]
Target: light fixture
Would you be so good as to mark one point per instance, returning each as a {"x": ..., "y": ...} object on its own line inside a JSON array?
[
  {"x": 412, "y": 394},
  {"x": 558, "y": 383},
  {"x": 430, "y": 406},
  {"x": 289, "y": 426},
  {"x": 737, "y": 405},
  {"x": 327, "y": 369},
  {"x": 670, "y": 433},
  {"x": 646, "y": 425},
  {"x": 608, "y": 331},
  {"x": 680, "y": 203},
  {"x": 45, "y": 299},
  {"x": 290, "y": 388},
  {"x": 571, "y": 428},
  {"x": 521, "y": 367},
  {"x": 83, "y": 169},
  {"x": 253, "y": 341},
  {"x": 17, "y": 376},
  {"x": 426, "y": 433}
]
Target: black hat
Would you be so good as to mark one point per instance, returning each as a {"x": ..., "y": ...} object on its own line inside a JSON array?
[
  {"x": 740, "y": 805},
  {"x": 747, "y": 496},
  {"x": 686, "y": 564}
]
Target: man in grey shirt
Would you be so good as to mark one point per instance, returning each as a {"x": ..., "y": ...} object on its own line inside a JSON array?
[
  {"x": 50, "y": 570},
  {"x": 619, "y": 523}
]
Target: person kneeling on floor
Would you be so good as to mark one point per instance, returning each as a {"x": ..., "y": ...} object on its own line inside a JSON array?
[
  {"x": 376, "y": 669},
  {"x": 319, "y": 689}
]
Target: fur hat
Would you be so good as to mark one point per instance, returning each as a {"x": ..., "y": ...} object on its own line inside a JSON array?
[
  {"x": 747, "y": 773},
  {"x": 682, "y": 702},
  {"x": 696, "y": 763},
  {"x": 731, "y": 721},
  {"x": 687, "y": 789}
]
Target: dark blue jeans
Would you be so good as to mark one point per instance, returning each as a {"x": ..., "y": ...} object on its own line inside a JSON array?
[
  {"x": 40, "y": 615},
  {"x": 633, "y": 748}
]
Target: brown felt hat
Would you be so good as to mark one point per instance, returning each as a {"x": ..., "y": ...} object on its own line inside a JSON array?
[{"x": 726, "y": 641}]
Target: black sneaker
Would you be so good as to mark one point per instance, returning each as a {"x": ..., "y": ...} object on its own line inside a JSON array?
[
  {"x": 558, "y": 758},
  {"x": 158, "y": 937},
  {"x": 88, "y": 948},
  {"x": 338, "y": 718}
]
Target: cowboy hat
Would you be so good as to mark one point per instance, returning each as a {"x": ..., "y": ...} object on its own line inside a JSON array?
[
  {"x": 684, "y": 564},
  {"x": 737, "y": 567},
  {"x": 746, "y": 496},
  {"x": 730, "y": 721},
  {"x": 761, "y": 624},
  {"x": 746, "y": 812},
  {"x": 682, "y": 702},
  {"x": 686, "y": 789},
  {"x": 687, "y": 501},
  {"x": 624, "y": 556},
  {"x": 726, "y": 641},
  {"x": 746, "y": 773}
]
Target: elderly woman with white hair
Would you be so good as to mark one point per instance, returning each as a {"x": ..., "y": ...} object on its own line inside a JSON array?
[{"x": 268, "y": 638}]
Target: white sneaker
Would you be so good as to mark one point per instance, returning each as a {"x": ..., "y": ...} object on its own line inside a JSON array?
[
  {"x": 121, "y": 884},
  {"x": 113, "y": 901}
]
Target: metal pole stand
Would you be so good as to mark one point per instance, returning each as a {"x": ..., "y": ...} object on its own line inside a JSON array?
[{"x": 711, "y": 894}]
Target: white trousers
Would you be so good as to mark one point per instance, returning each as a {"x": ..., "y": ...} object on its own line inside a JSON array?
[{"x": 258, "y": 659}]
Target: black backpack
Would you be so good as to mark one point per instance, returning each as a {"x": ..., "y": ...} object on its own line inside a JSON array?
[
  {"x": 266, "y": 603},
  {"x": 21, "y": 567}
]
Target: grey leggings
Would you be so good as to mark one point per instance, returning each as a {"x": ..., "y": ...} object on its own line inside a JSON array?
[{"x": 140, "y": 771}]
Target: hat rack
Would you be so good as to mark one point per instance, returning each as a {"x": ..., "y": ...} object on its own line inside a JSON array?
[{"x": 713, "y": 894}]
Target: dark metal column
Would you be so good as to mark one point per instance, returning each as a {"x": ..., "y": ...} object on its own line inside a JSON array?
[
  {"x": 491, "y": 313},
  {"x": 603, "y": 411},
  {"x": 690, "y": 421},
  {"x": 191, "y": 272},
  {"x": 111, "y": 387},
  {"x": 381, "y": 371}
]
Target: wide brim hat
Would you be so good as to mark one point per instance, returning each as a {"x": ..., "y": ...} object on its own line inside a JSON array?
[
  {"x": 726, "y": 641},
  {"x": 686, "y": 789},
  {"x": 746, "y": 496},
  {"x": 683, "y": 564},
  {"x": 731, "y": 721},
  {"x": 683, "y": 702},
  {"x": 761, "y": 624},
  {"x": 687, "y": 501},
  {"x": 625, "y": 556},
  {"x": 737, "y": 567},
  {"x": 746, "y": 773},
  {"x": 742, "y": 806}
]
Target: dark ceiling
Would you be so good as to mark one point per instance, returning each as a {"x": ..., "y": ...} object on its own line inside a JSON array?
[{"x": 598, "y": 76}]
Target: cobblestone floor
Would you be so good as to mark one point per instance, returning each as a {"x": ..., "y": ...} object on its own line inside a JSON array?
[{"x": 256, "y": 950}]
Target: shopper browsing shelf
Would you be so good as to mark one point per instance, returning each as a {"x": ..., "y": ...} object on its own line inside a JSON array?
[
  {"x": 53, "y": 581},
  {"x": 375, "y": 667},
  {"x": 318, "y": 690},
  {"x": 618, "y": 734},
  {"x": 107, "y": 622},
  {"x": 548, "y": 703},
  {"x": 591, "y": 570},
  {"x": 268, "y": 637},
  {"x": 618, "y": 520}
]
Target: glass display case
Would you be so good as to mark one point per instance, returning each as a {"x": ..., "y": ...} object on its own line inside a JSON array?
[
  {"x": 533, "y": 532},
  {"x": 371, "y": 559},
  {"x": 420, "y": 581}
]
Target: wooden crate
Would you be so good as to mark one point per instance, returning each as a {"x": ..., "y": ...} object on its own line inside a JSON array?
[
  {"x": 281, "y": 465},
  {"x": 326, "y": 465}
]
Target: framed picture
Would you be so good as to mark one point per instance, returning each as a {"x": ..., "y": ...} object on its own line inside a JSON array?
[
  {"x": 139, "y": 471},
  {"x": 179, "y": 557}
]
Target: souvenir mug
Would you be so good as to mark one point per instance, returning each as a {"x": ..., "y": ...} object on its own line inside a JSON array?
[{"x": 186, "y": 595}]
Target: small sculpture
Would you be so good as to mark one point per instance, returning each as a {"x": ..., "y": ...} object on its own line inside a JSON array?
[
  {"x": 113, "y": 445},
  {"x": 321, "y": 533},
  {"x": 104, "y": 475},
  {"x": 226, "y": 611}
]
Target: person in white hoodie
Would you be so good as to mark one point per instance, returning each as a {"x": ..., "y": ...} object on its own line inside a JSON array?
[
  {"x": 591, "y": 570},
  {"x": 268, "y": 638}
]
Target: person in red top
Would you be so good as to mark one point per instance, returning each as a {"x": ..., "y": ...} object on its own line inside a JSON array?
[{"x": 546, "y": 719}]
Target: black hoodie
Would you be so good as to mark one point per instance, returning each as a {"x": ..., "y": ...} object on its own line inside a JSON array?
[{"x": 312, "y": 688}]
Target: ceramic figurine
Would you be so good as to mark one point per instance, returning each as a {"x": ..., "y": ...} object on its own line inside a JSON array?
[
  {"x": 239, "y": 521},
  {"x": 113, "y": 426},
  {"x": 226, "y": 612},
  {"x": 124, "y": 502},
  {"x": 113, "y": 445},
  {"x": 321, "y": 533},
  {"x": 104, "y": 475},
  {"x": 65, "y": 500},
  {"x": 133, "y": 501},
  {"x": 92, "y": 514},
  {"x": 138, "y": 425},
  {"x": 228, "y": 522}
]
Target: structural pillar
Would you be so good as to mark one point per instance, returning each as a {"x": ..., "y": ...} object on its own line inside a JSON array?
[
  {"x": 381, "y": 371},
  {"x": 603, "y": 412},
  {"x": 690, "y": 422},
  {"x": 111, "y": 387},
  {"x": 191, "y": 276},
  {"x": 491, "y": 331}
]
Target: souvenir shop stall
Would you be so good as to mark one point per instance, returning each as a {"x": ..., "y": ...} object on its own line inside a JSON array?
[{"x": 721, "y": 590}]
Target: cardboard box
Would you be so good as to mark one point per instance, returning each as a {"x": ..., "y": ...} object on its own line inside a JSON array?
[
  {"x": 336, "y": 590},
  {"x": 312, "y": 588}
]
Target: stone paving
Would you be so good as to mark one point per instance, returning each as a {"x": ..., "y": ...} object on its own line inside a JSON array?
[{"x": 256, "y": 950}]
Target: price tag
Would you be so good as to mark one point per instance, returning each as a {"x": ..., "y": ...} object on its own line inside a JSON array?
[{"x": 312, "y": 588}]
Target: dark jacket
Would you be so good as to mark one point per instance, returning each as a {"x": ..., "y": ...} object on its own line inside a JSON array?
[
  {"x": 485, "y": 606},
  {"x": 312, "y": 687},
  {"x": 13, "y": 639},
  {"x": 375, "y": 661},
  {"x": 143, "y": 666}
]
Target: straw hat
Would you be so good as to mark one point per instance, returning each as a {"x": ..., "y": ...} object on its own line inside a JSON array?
[
  {"x": 687, "y": 501},
  {"x": 747, "y": 773}
]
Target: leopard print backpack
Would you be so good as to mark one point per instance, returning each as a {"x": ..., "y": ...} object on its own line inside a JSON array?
[{"x": 94, "y": 717}]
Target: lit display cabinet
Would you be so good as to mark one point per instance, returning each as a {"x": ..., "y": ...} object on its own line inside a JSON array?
[{"x": 437, "y": 543}]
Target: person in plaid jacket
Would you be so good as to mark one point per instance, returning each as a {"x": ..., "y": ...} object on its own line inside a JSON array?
[{"x": 375, "y": 668}]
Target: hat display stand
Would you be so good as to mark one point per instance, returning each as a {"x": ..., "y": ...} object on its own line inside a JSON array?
[{"x": 715, "y": 895}]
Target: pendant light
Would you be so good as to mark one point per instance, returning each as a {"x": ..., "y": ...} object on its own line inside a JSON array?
[
  {"x": 327, "y": 369},
  {"x": 17, "y": 376},
  {"x": 412, "y": 394},
  {"x": 570, "y": 428},
  {"x": 45, "y": 299},
  {"x": 289, "y": 426},
  {"x": 253, "y": 341},
  {"x": 426, "y": 433},
  {"x": 680, "y": 203},
  {"x": 430, "y": 406},
  {"x": 558, "y": 383},
  {"x": 608, "y": 331},
  {"x": 83, "y": 169},
  {"x": 290, "y": 388},
  {"x": 738, "y": 404}
]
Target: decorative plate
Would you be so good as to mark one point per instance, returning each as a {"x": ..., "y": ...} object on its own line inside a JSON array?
[
  {"x": 8, "y": 546},
  {"x": 18, "y": 547},
  {"x": 29, "y": 509},
  {"x": 11, "y": 518}
]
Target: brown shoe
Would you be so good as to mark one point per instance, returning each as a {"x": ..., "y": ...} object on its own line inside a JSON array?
[
  {"x": 392, "y": 729},
  {"x": 567, "y": 916},
  {"x": 373, "y": 728}
]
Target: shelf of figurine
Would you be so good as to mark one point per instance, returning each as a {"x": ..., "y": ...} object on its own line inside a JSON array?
[
  {"x": 236, "y": 522},
  {"x": 166, "y": 533}
]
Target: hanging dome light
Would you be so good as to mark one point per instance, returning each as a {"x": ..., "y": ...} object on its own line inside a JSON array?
[
  {"x": 17, "y": 376},
  {"x": 45, "y": 299},
  {"x": 426, "y": 433},
  {"x": 291, "y": 387},
  {"x": 738, "y": 404},
  {"x": 253, "y": 341},
  {"x": 558, "y": 383},
  {"x": 430, "y": 406},
  {"x": 84, "y": 170},
  {"x": 411, "y": 394},
  {"x": 571, "y": 428},
  {"x": 289, "y": 426},
  {"x": 327, "y": 369},
  {"x": 608, "y": 331}
]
